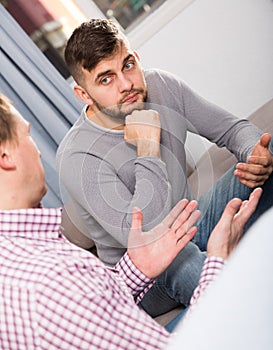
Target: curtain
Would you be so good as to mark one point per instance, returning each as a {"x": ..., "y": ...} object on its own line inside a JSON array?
[{"x": 40, "y": 94}]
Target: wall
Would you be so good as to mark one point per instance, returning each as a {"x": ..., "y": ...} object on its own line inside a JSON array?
[{"x": 223, "y": 49}]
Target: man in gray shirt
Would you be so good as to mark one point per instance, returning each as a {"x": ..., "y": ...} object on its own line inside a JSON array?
[{"x": 127, "y": 150}]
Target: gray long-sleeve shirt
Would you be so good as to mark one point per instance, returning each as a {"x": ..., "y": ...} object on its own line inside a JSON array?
[{"x": 103, "y": 179}]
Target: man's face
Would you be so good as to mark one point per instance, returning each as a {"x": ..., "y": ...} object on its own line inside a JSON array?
[
  {"x": 116, "y": 85},
  {"x": 30, "y": 170}
]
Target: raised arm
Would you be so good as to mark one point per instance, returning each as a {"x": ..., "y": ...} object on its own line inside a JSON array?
[{"x": 108, "y": 178}]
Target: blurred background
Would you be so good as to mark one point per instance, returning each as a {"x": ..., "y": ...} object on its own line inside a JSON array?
[{"x": 49, "y": 23}]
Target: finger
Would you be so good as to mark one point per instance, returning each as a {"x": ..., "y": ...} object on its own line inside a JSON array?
[
  {"x": 186, "y": 227},
  {"x": 249, "y": 170},
  {"x": 128, "y": 119},
  {"x": 184, "y": 215},
  {"x": 136, "y": 219},
  {"x": 248, "y": 207},
  {"x": 256, "y": 194},
  {"x": 185, "y": 239},
  {"x": 264, "y": 161},
  {"x": 193, "y": 219},
  {"x": 244, "y": 204},
  {"x": 230, "y": 211},
  {"x": 252, "y": 184},
  {"x": 174, "y": 213}
]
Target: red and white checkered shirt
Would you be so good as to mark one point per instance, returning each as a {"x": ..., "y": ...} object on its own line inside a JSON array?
[
  {"x": 54, "y": 295},
  {"x": 212, "y": 267}
]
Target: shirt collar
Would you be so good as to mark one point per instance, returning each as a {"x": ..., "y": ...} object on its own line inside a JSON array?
[{"x": 31, "y": 223}]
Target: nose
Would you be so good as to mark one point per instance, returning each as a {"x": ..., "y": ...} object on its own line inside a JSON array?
[{"x": 125, "y": 83}]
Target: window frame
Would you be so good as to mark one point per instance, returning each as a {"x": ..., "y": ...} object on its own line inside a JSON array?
[{"x": 148, "y": 26}]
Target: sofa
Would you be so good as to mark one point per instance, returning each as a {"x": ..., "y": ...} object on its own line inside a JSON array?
[{"x": 201, "y": 176}]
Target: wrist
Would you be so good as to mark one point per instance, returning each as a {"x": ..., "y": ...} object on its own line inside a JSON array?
[
  {"x": 148, "y": 148},
  {"x": 217, "y": 254}
]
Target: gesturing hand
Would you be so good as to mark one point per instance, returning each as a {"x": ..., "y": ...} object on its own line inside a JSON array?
[
  {"x": 259, "y": 166},
  {"x": 153, "y": 251},
  {"x": 228, "y": 232}
]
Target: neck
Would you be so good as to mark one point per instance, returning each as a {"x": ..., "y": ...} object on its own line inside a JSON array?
[
  {"x": 104, "y": 120},
  {"x": 15, "y": 200}
]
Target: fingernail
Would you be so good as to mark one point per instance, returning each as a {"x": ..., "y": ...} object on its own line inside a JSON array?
[{"x": 235, "y": 204}]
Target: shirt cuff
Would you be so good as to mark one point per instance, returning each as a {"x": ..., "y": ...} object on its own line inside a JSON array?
[
  {"x": 213, "y": 265},
  {"x": 211, "y": 268},
  {"x": 132, "y": 276}
]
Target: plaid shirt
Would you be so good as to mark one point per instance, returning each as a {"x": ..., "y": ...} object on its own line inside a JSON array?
[{"x": 54, "y": 295}]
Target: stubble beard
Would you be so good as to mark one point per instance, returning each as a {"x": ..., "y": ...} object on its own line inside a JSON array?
[{"x": 121, "y": 110}]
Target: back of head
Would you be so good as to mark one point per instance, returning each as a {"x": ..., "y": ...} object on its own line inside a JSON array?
[
  {"x": 7, "y": 122},
  {"x": 90, "y": 43}
]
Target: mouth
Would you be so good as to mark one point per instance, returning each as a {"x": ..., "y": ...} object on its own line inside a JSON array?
[{"x": 131, "y": 98}]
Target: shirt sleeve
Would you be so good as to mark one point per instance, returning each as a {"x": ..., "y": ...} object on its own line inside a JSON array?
[
  {"x": 81, "y": 308},
  {"x": 203, "y": 117},
  {"x": 238, "y": 135},
  {"x": 110, "y": 200},
  {"x": 211, "y": 269},
  {"x": 135, "y": 280}
]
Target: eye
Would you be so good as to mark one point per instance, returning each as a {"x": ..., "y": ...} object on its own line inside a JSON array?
[
  {"x": 129, "y": 65},
  {"x": 106, "y": 80}
]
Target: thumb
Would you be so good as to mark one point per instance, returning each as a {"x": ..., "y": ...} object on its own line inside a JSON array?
[
  {"x": 135, "y": 234},
  {"x": 265, "y": 140},
  {"x": 230, "y": 211},
  {"x": 136, "y": 219}
]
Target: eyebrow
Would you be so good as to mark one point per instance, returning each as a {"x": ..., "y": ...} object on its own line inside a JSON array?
[
  {"x": 101, "y": 74},
  {"x": 127, "y": 59}
]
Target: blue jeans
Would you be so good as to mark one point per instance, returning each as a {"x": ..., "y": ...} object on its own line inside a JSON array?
[
  {"x": 176, "y": 285},
  {"x": 170, "y": 327}
]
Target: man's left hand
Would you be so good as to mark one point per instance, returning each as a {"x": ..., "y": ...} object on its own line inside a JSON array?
[
  {"x": 229, "y": 229},
  {"x": 259, "y": 166}
]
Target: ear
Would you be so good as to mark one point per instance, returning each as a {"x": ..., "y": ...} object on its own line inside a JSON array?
[
  {"x": 6, "y": 159},
  {"x": 83, "y": 95},
  {"x": 137, "y": 56}
]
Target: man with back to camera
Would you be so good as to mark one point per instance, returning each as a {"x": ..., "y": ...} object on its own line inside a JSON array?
[
  {"x": 127, "y": 149},
  {"x": 54, "y": 295}
]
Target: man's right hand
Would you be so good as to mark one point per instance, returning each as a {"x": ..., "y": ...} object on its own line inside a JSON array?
[
  {"x": 153, "y": 251},
  {"x": 229, "y": 229},
  {"x": 142, "y": 129}
]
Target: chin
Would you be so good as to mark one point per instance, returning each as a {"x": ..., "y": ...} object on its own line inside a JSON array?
[
  {"x": 135, "y": 106},
  {"x": 40, "y": 197},
  {"x": 44, "y": 191}
]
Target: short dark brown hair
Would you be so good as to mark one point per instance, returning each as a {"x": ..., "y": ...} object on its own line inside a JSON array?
[
  {"x": 90, "y": 43},
  {"x": 7, "y": 121}
]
